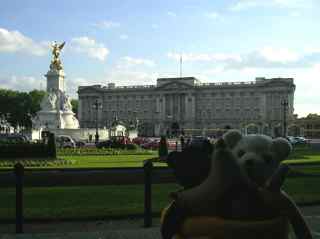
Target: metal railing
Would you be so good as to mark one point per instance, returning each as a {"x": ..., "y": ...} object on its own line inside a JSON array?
[{"x": 147, "y": 175}]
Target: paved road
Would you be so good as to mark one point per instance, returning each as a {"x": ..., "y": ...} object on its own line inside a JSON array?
[{"x": 120, "y": 229}]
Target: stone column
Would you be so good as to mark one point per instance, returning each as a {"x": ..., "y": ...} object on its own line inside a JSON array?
[
  {"x": 171, "y": 105},
  {"x": 80, "y": 109},
  {"x": 187, "y": 107},
  {"x": 178, "y": 108},
  {"x": 163, "y": 107},
  {"x": 193, "y": 107},
  {"x": 158, "y": 106}
]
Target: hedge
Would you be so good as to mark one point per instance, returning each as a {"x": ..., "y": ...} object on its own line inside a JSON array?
[{"x": 23, "y": 150}]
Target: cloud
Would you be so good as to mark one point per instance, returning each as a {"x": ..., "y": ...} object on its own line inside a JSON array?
[
  {"x": 107, "y": 24},
  {"x": 278, "y": 55},
  {"x": 14, "y": 41},
  {"x": 241, "y": 5},
  {"x": 124, "y": 36},
  {"x": 73, "y": 83},
  {"x": 21, "y": 83},
  {"x": 89, "y": 47},
  {"x": 172, "y": 14},
  {"x": 204, "y": 56},
  {"x": 129, "y": 78},
  {"x": 266, "y": 57},
  {"x": 154, "y": 26},
  {"x": 212, "y": 15},
  {"x": 127, "y": 62},
  {"x": 121, "y": 77},
  {"x": 295, "y": 14}
]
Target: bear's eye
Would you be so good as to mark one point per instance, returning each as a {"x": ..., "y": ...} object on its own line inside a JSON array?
[
  {"x": 267, "y": 158},
  {"x": 241, "y": 153}
]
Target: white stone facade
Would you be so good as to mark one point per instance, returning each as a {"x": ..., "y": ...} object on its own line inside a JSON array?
[{"x": 185, "y": 103}]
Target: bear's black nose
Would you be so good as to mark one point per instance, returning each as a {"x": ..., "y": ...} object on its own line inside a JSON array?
[{"x": 241, "y": 153}]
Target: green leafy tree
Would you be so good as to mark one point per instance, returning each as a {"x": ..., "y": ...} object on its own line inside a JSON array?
[
  {"x": 75, "y": 103},
  {"x": 19, "y": 107},
  {"x": 36, "y": 97}
]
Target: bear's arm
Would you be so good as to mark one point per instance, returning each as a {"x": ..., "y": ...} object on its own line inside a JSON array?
[{"x": 286, "y": 206}]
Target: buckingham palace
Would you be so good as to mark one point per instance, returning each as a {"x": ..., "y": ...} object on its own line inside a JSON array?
[{"x": 186, "y": 105}]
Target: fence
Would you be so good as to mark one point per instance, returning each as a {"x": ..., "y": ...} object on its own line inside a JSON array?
[{"x": 146, "y": 175}]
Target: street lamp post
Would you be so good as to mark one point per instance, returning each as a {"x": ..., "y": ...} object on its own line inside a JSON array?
[
  {"x": 284, "y": 103},
  {"x": 96, "y": 106}
]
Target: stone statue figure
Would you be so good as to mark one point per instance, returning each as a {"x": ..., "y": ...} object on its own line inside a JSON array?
[
  {"x": 55, "y": 62},
  {"x": 49, "y": 102},
  {"x": 35, "y": 122},
  {"x": 66, "y": 106}
]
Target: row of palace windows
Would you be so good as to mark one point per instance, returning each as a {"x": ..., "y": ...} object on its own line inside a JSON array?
[{"x": 200, "y": 95}]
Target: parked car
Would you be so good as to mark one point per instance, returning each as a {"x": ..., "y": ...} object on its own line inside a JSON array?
[
  {"x": 154, "y": 144},
  {"x": 104, "y": 144},
  {"x": 80, "y": 143},
  {"x": 142, "y": 140},
  {"x": 197, "y": 140},
  {"x": 172, "y": 144},
  {"x": 301, "y": 140},
  {"x": 14, "y": 138},
  {"x": 292, "y": 140},
  {"x": 65, "y": 141}
]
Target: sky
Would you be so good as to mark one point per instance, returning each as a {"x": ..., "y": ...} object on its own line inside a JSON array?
[{"x": 132, "y": 42}]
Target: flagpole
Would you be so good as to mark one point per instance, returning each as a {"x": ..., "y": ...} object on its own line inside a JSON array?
[{"x": 180, "y": 65}]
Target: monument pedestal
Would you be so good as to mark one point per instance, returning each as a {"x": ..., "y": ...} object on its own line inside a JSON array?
[
  {"x": 70, "y": 121},
  {"x": 51, "y": 119},
  {"x": 55, "y": 80}
]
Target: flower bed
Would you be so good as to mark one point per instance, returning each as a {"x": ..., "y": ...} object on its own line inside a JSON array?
[{"x": 104, "y": 151}]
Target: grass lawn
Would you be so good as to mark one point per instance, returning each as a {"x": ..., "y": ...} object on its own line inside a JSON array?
[
  {"x": 102, "y": 201},
  {"x": 84, "y": 202},
  {"x": 109, "y": 161},
  {"x": 304, "y": 154}
]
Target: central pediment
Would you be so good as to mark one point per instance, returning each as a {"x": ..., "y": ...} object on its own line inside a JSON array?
[{"x": 175, "y": 85}]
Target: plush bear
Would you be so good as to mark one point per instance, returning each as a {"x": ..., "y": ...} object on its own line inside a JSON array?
[{"x": 243, "y": 182}]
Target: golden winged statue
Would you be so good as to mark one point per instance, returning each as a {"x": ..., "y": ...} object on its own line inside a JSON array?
[{"x": 56, "y": 49}]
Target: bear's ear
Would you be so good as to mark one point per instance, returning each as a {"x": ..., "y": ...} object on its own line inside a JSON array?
[
  {"x": 281, "y": 147},
  {"x": 232, "y": 137}
]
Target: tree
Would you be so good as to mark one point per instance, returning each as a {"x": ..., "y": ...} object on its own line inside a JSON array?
[
  {"x": 36, "y": 98},
  {"x": 19, "y": 107},
  {"x": 75, "y": 103}
]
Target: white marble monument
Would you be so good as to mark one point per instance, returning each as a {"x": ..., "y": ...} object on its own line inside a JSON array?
[{"x": 56, "y": 109}]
